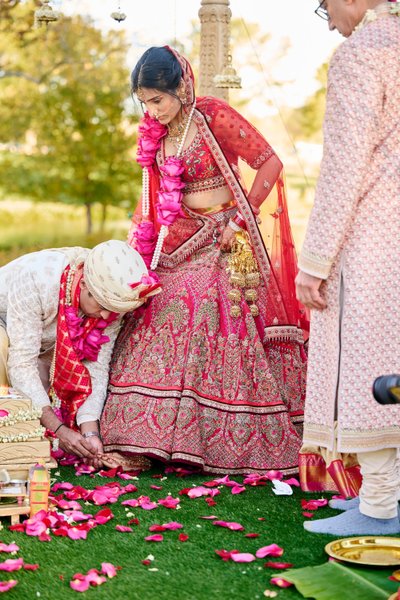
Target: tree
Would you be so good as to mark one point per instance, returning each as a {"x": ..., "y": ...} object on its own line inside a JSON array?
[
  {"x": 63, "y": 113},
  {"x": 306, "y": 122}
]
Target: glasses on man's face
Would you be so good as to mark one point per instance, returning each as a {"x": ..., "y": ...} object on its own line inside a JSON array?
[{"x": 321, "y": 11}]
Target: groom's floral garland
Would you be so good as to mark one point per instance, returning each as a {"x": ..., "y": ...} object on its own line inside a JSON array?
[
  {"x": 390, "y": 7},
  {"x": 170, "y": 194}
]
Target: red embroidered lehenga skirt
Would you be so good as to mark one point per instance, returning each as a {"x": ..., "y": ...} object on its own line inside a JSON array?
[{"x": 190, "y": 383}]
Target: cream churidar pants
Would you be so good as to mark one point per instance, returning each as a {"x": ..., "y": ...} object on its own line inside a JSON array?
[{"x": 381, "y": 483}]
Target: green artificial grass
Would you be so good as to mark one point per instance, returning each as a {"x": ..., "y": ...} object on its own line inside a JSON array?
[{"x": 185, "y": 570}]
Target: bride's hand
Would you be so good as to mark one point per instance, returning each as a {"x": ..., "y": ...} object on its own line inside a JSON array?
[{"x": 226, "y": 239}]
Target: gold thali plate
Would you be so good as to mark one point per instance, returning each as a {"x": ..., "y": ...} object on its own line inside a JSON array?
[{"x": 366, "y": 550}]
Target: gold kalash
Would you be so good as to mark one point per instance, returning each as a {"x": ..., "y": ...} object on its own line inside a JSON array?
[{"x": 244, "y": 275}]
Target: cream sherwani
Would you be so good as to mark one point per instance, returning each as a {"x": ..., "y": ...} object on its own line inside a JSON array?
[
  {"x": 353, "y": 240},
  {"x": 29, "y": 295}
]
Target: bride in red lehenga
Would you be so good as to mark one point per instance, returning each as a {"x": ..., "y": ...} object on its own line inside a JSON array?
[{"x": 212, "y": 372}]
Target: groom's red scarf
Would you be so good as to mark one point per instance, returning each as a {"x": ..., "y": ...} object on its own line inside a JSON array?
[{"x": 71, "y": 381}]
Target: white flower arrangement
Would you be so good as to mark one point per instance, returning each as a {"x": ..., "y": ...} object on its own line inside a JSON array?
[
  {"x": 20, "y": 416},
  {"x": 22, "y": 437}
]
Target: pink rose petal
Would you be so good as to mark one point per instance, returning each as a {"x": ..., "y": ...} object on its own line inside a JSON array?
[
  {"x": 198, "y": 491},
  {"x": 8, "y": 547},
  {"x": 7, "y": 585},
  {"x": 108, "y": 569},
  {"x": 154, "y": 538},
  {"x": 76, "y": 533},
  {"x": 103, "y": 516},
  {"x": 229, "y": 525},
  {"x": 123, "y": 529},
  {"x": 252, "y": 535},
  {"x": 12, "y": 564},
  {"x": 308, "y": 514},
  {"x": 169, "y": 502},
  {"x": 79, "y": 585},
  {"x": 238, "y": 489},
  {"x": 243, "y": 557},
  {"x": 280, "y": 582},
  {"x": 271, "y": 550},
  {"x": 292, "y": 481}
]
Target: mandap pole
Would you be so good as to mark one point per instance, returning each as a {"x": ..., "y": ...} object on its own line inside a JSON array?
[{"x": 215, "y": 17}]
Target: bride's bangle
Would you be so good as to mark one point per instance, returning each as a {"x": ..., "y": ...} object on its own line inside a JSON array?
[{"x": 234, "y": 226}]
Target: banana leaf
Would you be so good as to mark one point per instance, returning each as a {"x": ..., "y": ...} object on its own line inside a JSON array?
[{"x": 334, "y": 581}]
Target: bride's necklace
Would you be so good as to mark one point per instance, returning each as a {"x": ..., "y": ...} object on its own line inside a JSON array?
[
  {"x": 386, "y": 8},
  {"x": 176, "y": 132}
]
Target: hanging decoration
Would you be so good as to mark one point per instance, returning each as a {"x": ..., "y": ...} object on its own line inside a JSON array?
[
  {"x": 118, "y": 15},
  {"x": 228, "y": 78},
  {"x": 45, "y": 14}
]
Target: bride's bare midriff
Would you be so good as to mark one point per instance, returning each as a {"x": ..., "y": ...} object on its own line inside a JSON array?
[
  {"x": 199, "y": 199},
  {"x": 208, "y": 199}
]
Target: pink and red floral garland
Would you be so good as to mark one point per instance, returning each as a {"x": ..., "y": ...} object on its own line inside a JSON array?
[{"x": 170, "y": 194}]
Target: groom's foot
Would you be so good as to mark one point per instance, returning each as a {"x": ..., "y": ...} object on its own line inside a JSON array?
[
  {"x": 345, "y": 504},
  {"x": 352, "y": 522}
]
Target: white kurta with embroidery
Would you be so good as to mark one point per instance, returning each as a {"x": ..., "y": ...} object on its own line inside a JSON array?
[
  {"x": 353, "y": 241},
  {"x": 29, "y": 296}
]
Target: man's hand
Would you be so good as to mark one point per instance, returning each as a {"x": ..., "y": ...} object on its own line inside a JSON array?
[
  {"x": 73, "y": 442},
  {"x": 308, "y": 291},
  {"x": 226, "y": 239},
  {"x": 97, "y": 450}
]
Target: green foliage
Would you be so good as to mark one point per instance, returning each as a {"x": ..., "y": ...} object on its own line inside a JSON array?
[
  {"x": 63, "y": 118},
  {"x": 333, "y": 580},
  {"x": 306, "y": 122}
]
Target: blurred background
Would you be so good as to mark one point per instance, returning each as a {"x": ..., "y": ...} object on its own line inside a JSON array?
[{"x": 68, "y": 125}]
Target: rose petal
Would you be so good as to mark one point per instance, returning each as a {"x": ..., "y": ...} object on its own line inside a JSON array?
[
  {"x": 238, "y": 489},
  {"x": 280, "y": 582},
  {"x": 123, "y": 529},
  {"x": 79, "y": 585},
  {"x": 108, "y": 569},
  {"x": 271, "y": 550},
  {"x": 12, "y": 564},
  {"x": 229, "y": 525},
  {"x": 182, "y": 537},
  {"x": 7, "y": 585},
  {"x": 8, "y": 547},
  {"x": 32, "y": 567},
  {"x": 252, "y": 535},
  {"x": 154, "y": 538},
  {"x": 278, "y": 565},
  {"x": 243, "y": 557}
]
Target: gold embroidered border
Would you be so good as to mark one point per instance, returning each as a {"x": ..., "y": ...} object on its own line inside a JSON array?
[
  {"x": 315, "y": 265},
  {"x": 192, "y": 395},
  {"x": 193, "y": 459}
]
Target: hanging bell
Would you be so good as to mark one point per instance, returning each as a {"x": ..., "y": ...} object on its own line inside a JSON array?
[
  {"x": 228, "y": 78},
  {"x": 45, "y": 14},
  {"x": 118, "y": 16}
]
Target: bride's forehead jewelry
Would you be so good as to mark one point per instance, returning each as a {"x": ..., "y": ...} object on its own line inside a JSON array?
[{"x": 140, "y": 95}]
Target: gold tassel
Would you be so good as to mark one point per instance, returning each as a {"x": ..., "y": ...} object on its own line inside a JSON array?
[{"x": 244, "y": 273}]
